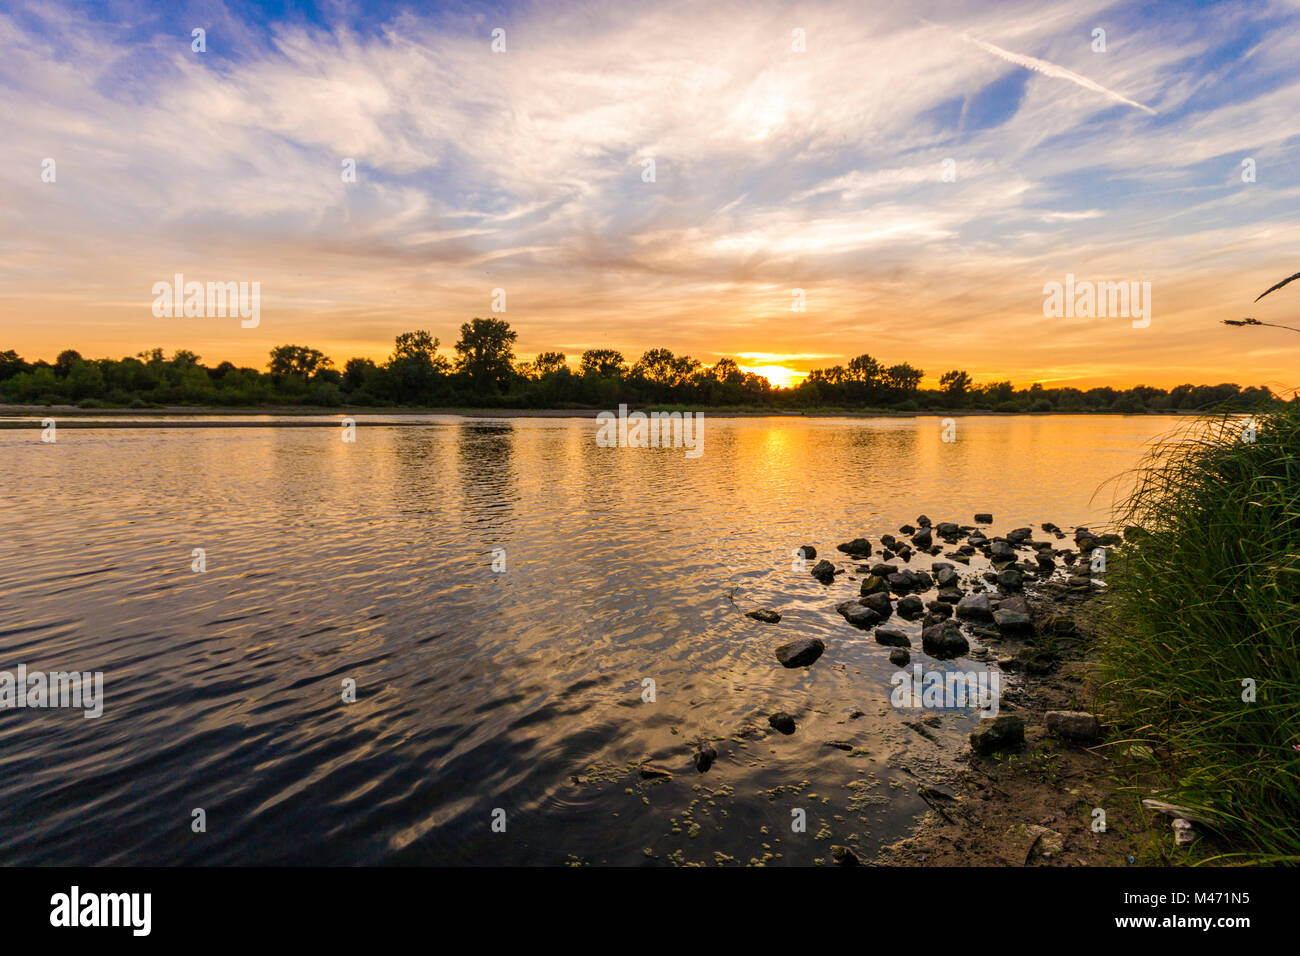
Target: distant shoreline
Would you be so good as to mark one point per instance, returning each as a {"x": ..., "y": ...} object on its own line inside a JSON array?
[{"x": 191, "y": 416}]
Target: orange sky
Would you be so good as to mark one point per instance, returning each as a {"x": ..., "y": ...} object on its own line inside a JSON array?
[{"x": 920, "y": 180}]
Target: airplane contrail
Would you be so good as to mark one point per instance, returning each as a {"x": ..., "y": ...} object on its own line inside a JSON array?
[{"x": 1052, "y": 70}]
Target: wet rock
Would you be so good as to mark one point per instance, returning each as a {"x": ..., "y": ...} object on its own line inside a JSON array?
[
  {"x": 892, "y": 637},
  {"x": 940, "y": 609},
  {"x": 1049, "y": 527},
  {"x": 824, "y": 572},
  {"x": 888, "y": 540},
  {"x": 977, "y": 540},
  {"x": 983, "y": 518},
  {"x": 880, "y": 603},
  {"x": 899, "y": 657},
  {"x": 859, "y": 615},
  {"x": 766, "y": 615},
  {"x": 704, "y": 756},
  {"x": 808, "y": 550},
  {"x": 1009, "y": 579},
  {"x": 910, "y": 608},
  {"x": 1001, "y": 551},
  {"x": 922, "y": 539},
  {"x": 884, "y": 570},
  {"x": 843, "y": 856},
  {"x": 1020, "y": 535},
  {"x": 1073, "y": 724},
  {"x": 998, "y": 734},
  {"x": 874, "y": 584},
  {"x": 947, "y": 529},
  {"x": 858, "y": 547},
  {"x": 782, "y": 723},
  {"x": 800, "y": 653},
  {"x": 907, "y": 529},
  {"x": 947, "y": 578},
  {"x": 974, "y": 607},
  {"x": 923, "y": 521},
  {"x": 949, "y": 595},
  {"x": 944, "y": 640}
]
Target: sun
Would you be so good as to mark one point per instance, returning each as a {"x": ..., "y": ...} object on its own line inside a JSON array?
[{"x": 778, "y": 375}]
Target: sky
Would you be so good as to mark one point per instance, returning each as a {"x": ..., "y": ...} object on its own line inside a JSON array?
[{"x": 921, "y": 171}]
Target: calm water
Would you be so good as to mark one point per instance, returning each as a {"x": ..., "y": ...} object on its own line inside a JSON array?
[{"x": 480, "y": 690}]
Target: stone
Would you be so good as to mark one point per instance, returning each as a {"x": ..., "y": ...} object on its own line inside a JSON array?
[
  {"x": 892, "y": 637},
  {"x": 998, "y": 734},
  {"x": 859, "y": 615},
  {"x": 944, "y": 640},
  {"x": 800, "y": 653},
  {"x": 983, "y": 518},
  {"x": 858, "y": 547},
  {"x": 782, "y": 722},
  {"x": 910, "y": 608},
  {"x": 880, "y": 603},
  {"x": 704, "y": 757},
  {"x": 899, "y": 657},
  {"x": 874, "y": 584},
  {"x": 823, "y": 571},
  {"x": 1020, "y": 535},
  {"x": 923, "y": 538},
  {"x": 974, "y": 607},
  {"x": 1073, "y": 724},
  {"x": 1012, "y": 622},
  {"x": 808, "y": 551},
  {"x": 843, "y": 856},
  {"x": 766, "y": 615}
]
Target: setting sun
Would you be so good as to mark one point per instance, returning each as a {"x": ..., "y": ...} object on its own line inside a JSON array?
[{"x": 778, "y": 375}]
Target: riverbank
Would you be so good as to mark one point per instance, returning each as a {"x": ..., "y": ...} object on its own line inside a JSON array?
[{"x": 1054, "y": 801}]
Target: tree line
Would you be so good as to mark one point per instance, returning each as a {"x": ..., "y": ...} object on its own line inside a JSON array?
[{"x": 484, "y": 372}]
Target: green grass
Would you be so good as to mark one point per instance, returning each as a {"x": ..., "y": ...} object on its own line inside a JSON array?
[{"x": 1208, "y": 597}]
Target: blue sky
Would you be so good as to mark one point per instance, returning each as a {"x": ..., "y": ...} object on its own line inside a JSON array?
[{"x": 775, "y": 169}]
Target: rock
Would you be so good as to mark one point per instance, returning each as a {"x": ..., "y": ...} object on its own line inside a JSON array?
[
  {"x": 858, "y": 547},
  {"x": 1184, "y": 833},
  {"x": 892, "y": 637},
  {"x": 1020, "y": 535},
  {"x": 888, "y": 540},
  {"x": 884, "y": 570},
  {"x": 907, "y": 529},
  {"x": 874, "y": 584},
  {"x": 1012, "y": 622},
  {"x": 977, "y": 540},
  {"x": 1049, "y": 527},
  {"x": 839, "y": 744},
  {"x": 983, "y": 518},
  {"x": 880, "y": 603},
  {"x": 823, "y": 571},
  {"x": 901, "y": 583},
  {"x": 1041, "y": 840},
  {"x": 655, "y": 773},
  {"x": 782, "y": 722},
  {"x": 1009, "y": 579},
  {"x": 922, "y": 539},
  {"x": 800, "y": 653},
  {"x": 910, "y": 608},
  {"x": 704, "y": 757},
  {"x": 1001, "y": 551},
  {"x": 899, "y": 657},
  {"x": 947, "y": 578},
  {"x": 843, "y": 856},
  {"x": 944, "y": 640},
  {"x": 808, "y": 550},
  {"x": 974, "y": 607},
  {"x": 859, "y": 615},
  {"x": 1000, "y": 733},
  {"x": 1073, "y": 724},
  {"x": 923, "y": 521},
  {"x": 766, "y": 615},
  {"x": 947, "y": 529},
  {"x": 940, "y": 609},
  {"x": 949, "y": 595}
]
